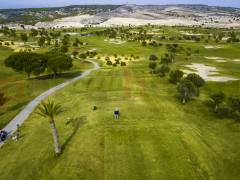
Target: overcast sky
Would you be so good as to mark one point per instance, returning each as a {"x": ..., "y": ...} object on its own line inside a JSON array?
[{"x": 47, "y": 3}]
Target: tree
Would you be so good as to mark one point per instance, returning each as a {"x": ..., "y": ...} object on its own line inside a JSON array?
[
  {"x": 66, "y": 40},
  {"x": 48, "y": 38},
  {"x": 175, "y": 76},
  {"x": 187, "y": 90},
  {"x": 123, "y": 64},
  {"x": 34, "y": 32},
  {"x": 152, "y": 66},
  {"x": 153, "y": 57},
  {"x": 166, "y": 59},
  {"x": 196, "y": 79},
  {"x": 3, "y": 99},
  {"x": 144, "y": 43},
  {"x": 162, "y": 70},
  {"x": 109, "y": 63},
  {"x": 83, "y": 56},
  {"x": 58, "y": 62},
  {"x": 234, "y": 104},
  {"x": 41, "y": 41},
  {"x": 75, "y": 53},
  {"x": 77, "y": 41},
  {"x": 30, "y": 63},
  {"x": 24, "y": 37},
  {"x": 64, "y": 49},
  {"x": 50, "y": 110},
  {"x": 223, "y": 112},
  {"x": 217, "y": 99}
]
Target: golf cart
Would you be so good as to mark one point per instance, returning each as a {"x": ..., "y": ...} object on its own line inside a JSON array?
[{"x": 3, "y": 135}]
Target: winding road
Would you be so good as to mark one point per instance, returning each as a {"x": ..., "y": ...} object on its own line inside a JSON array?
[{"x": 11, "y": 127}]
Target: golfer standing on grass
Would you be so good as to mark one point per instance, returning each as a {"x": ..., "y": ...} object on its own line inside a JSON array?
[{"x": 116, "y": 113}]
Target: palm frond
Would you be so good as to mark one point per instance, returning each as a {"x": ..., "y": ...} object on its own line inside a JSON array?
[{"x": 49, "y": 109}]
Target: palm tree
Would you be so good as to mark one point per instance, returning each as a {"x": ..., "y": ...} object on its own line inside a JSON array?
[{"x": 50, "y": 110}]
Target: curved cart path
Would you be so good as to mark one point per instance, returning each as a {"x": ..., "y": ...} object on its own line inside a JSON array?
[{"x": 11, "y": 127}]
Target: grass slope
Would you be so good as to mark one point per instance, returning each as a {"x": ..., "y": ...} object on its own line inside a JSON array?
[{"x": 156, "y": 137}]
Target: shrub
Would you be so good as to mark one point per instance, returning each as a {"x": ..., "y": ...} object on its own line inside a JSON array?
[
  {"x": 83, "y": 56},
  {"x": 109, "y": 62},
  {"x": 153, "y": 57},
  {"x": 123, "y": 64}
]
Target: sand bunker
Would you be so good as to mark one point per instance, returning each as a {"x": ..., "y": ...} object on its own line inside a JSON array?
[
  {"x": 115, "y": 41},
  {"x": 217, "y": 59},
  {"x": 209, "y": 73},
  {"x": 236, "y": 60},
  {"x": 221, "y": 61},
  {"x": 213, "y": 47}
]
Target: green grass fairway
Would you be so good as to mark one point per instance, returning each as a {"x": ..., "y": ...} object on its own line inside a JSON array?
[{"x": 155, "y": 138}]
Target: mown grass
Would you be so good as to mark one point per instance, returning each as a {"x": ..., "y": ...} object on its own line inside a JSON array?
[{"x": 155, "y": 138}]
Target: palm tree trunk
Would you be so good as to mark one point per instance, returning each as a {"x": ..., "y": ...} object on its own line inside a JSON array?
[{"x": 55, "y": 137}]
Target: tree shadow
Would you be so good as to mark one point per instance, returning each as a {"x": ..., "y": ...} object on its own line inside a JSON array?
[
  {"x": 67, "y": 75},
  {"x": 76, "y": 124},
  {"x": 17, "y": 106}
]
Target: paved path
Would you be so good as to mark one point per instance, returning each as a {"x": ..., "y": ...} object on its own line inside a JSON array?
[{"x": 24, "y": 114}]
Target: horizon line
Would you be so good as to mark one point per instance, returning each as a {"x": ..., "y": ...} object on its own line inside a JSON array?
[{"x": 67, "y": 5}]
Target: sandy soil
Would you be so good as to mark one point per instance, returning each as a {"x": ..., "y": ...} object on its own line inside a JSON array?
[
  {"x": 115, "y": 41},
  {"x": 209, "y": 73}
]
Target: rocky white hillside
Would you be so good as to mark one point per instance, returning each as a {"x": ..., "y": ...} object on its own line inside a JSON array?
[
  {"x": 171, "y": 15},
  {"x": 161, "y": 15}
]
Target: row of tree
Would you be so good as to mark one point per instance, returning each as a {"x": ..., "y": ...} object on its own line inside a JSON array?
[
  {"x": 36, "y": 64},
  {"x": 188, "y": 87}
]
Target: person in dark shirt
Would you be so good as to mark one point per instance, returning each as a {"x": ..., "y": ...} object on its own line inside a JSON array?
[{"x": 116, "y": 113}]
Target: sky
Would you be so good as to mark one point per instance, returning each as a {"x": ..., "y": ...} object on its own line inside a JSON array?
[{"x": 54, "y": 3}]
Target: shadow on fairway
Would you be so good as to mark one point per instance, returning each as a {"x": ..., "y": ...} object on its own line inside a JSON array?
[
  {"x": 67, "y": 75},
  {"x": 17, "y": 106},
  {"x": 76, "y": 123}
]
